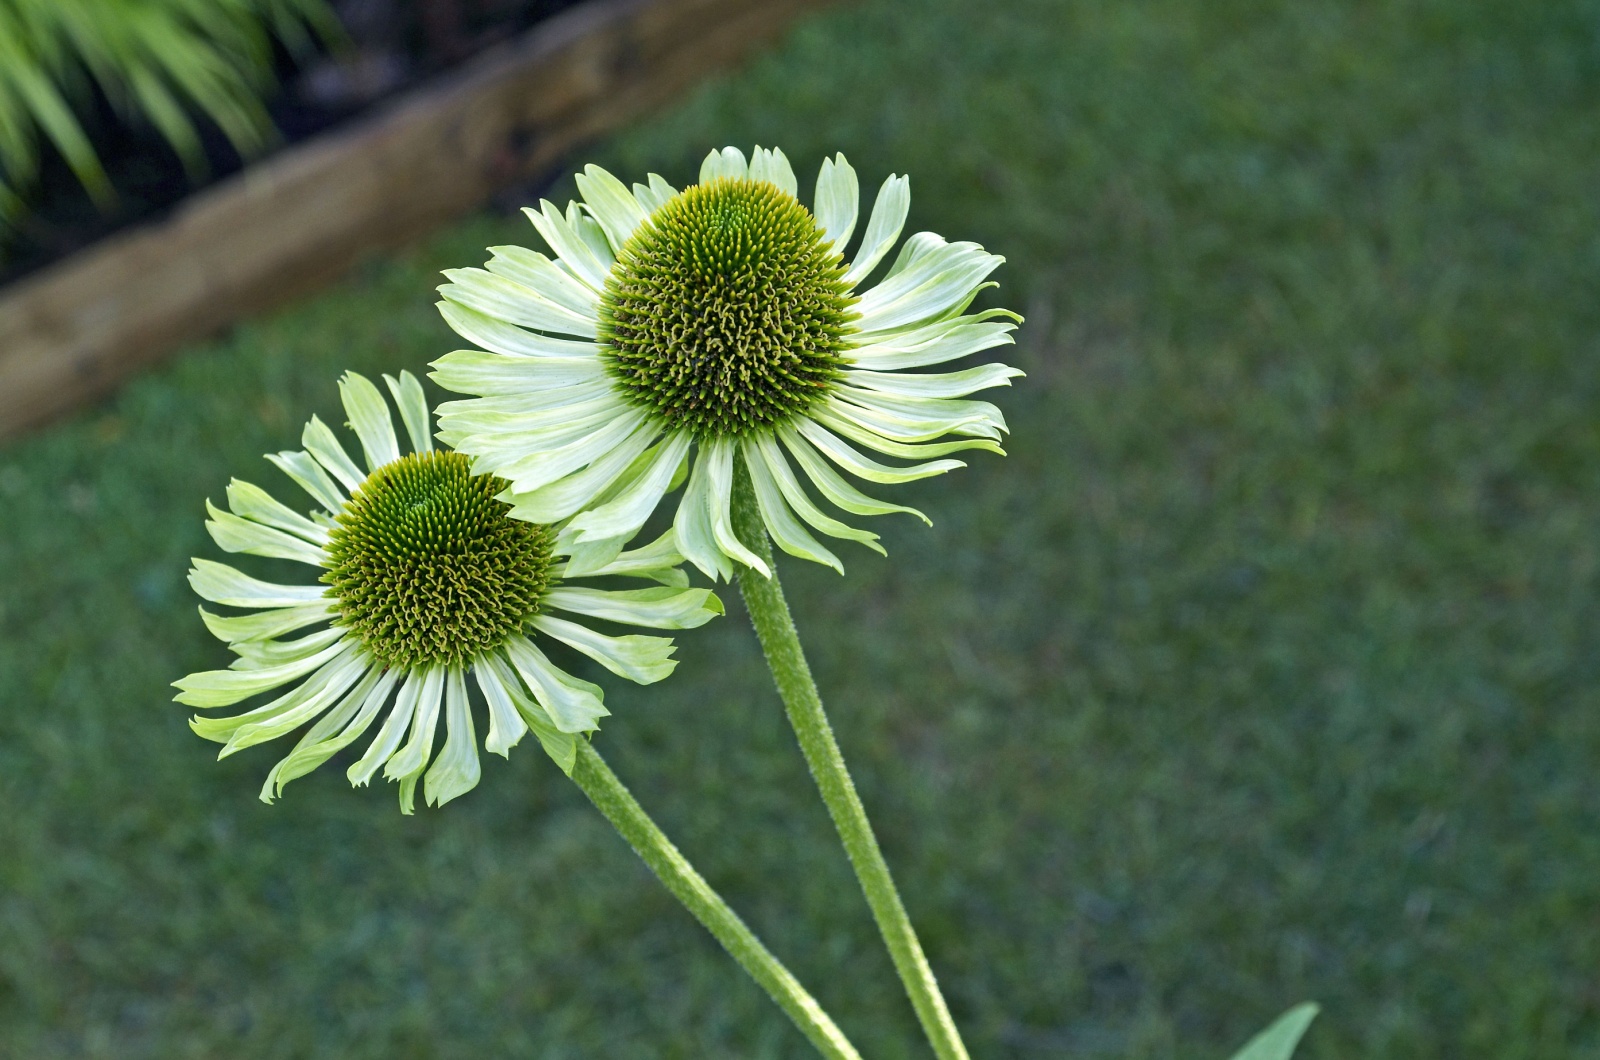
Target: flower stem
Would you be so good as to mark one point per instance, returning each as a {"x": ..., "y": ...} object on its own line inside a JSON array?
[
  {"x": 786, "y": 659},
  {"x": 611, "y": 798}
]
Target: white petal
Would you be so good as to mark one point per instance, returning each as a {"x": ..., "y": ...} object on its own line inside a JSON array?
[
  {"x": 233, "y": 534},
  {"x": 780, "y": 522},
  {"x": 657, "y": 561},
  {"x": 512, "y": 302},
  {"x": 658, "y": 608},
  {"x": 413, "y": 406},
  {"x": 838, "y": 201},
  {"x": 506, "y": 725},
  {"x": 611, "y": 203},
  {"x": 393, "y": 731},
  {"x": 772, "y": 167},
  {"x": 940, "y": 277},
  {"x": 456, "y": 771},
  {"x": 569, "y": 245},
  {"x": 220, "y": 688},
  {"x": 852, "y": 422},
  {"x": 411, "y": 759},
  {"x": 729, "y": 163},
  {"x": 250, "y": 501},
  {"x": 940, "y": 385},
  {"x": 858, "y": 465},
  {"x": 718, "y": 459},
  {"x": 222, "y": 584},
  {"x": 593, "y": 236},
  {"x": 692, "y": 525},
  {"x": 472, "y": 372},
  {"x": 573, "y": 704},
  {"x": 835, "y": 488},
  {"x": 350, "y": 719},
  {"x": 370, "y": 419},
  {"x": 321, "y": 443},
  {"x": 642, "y": 659},
  {"x": 330, "y": 685},
  {"x": 265, "y": 624},
  {"x": 541, "y": 469},
  {"x": 888, "y": 217},
  {"x": 558, "y": 500},
  {"x": 623, "y": 515},
  {"x": 918, "y": 419},
  {"x": 562, "y": 747},
  {"x": 934, "y": 344},
  {"x": 311, "y": 478},
  {"x": 484, "y": 330},
  {"x": 532, "y": 269},
  {"x": 264, "y": 654},
  {"x": 654, "y": 195},
  {"x": 767, "y": 452}
]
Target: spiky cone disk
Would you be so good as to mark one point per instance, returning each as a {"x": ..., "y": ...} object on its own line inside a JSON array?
[
  {"x": 669, "y": 334},
  {"x": 427, "y": 588}
]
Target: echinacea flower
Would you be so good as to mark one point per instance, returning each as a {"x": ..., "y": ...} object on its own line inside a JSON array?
[
  {"x": 718, "y": 324},
  {"x": 425, "y": 581}
]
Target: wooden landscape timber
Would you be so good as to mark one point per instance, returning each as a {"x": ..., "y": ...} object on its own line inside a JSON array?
[{"x": 290, "y": 224}]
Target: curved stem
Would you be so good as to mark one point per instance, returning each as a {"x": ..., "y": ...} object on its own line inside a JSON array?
[
  {"x": 786, "y": 659},
  {"x": 611, "y": 798}
]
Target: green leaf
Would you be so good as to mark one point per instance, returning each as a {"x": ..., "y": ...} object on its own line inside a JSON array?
[{"x": 1278, "y": 1041}]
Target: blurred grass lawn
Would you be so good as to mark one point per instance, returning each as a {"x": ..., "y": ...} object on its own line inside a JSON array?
[{"x": 1263, "y": 669}]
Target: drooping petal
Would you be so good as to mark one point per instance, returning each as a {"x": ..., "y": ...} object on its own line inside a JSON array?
[
  {"x": 506, "y": 724},
  {"x": 370, "y": 419},
  {"x": 233, "y": 534},
  {"x": 391, "y": 733},
  {"x": 262, "y": 654},
  {"x": 642, "y": 659},
  {"x": 786, "y": 530},
  {"x": 340, "y": 675},
  {"x": 718, "y": 460},
  {"x": 846, "y": 457},
  {"x": 764, "y": 449},
  {"x": 660, "y": 608},
  {"x": 562, "y": 747},
  {"x": 456, "y": 771},
  {"x": 334, "y": 731},
  {"x": 326, "y": 670},
  {"x": 573, "y": 704},
  {"x": 222, "y": 584},
  {"x": 220, "y": 688},
  {"x": 249, "y": 501},
  {"x": 692, "y": 525},
  {"x": 832, "y": 486},
  {"x": 263, "y": 625},
  {"x": 412, "y": 759},
  {"x": 537, "y": 470},
  {"x": 624, "y": 514}
]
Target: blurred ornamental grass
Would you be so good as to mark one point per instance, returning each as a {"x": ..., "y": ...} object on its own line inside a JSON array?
[{"x": 155, "y": 60}]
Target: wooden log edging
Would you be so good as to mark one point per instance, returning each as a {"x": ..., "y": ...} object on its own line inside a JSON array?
[{"x": 290, "y": 224}]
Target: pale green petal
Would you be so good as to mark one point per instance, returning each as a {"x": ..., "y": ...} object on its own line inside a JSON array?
[
  {"x": 412, "y": 759},
  {"x": 586, "y": 557},
  {"x": 766, "y": 451},
  {"x": 222, "y": 584},
  {"x": 352, "y": 717},
  {"x": 321, "y": 443},
  {"x": 659, "y": 608},
  {"x": 558, "y": 500},
  {"x": 220, "y": 688},
  {"x": 574, "y": 705},
  {"x": 472, "y": 372},
  {"x": 532, "y": 269},
  {"x": 456, "y": 771},
  {"x": 692, "y": 525},
  {"x": 302, "y": 702},
  {"x": 611, "y": 203},
  {"x": 593, "y": 236},
  {"x": 264, "y": 624},
  {"x": 888, "y": 217},
  {"x": 642, "y": 659},
  {"x": 542, "y": 468},
  {"x": 918, "y": 419},
  {"x": 935, "y": 344},
  {"x": 846, "y": 457},
  {"x": 562, "y": 747},
  {"x": 662, "y": 189},
  {"x": 483, "y": 330},
  {"x": 311, "y": 478},
  {"x": 569, "y": 245},
  {"x": 506, "y": 724},
  {"x": 786, "y": 530},
  {"x": 250, "y": 501},
  {"x": 832, "y": 486},
  {"x": 654, "y": 195},
  {"x": 729, "y": 163},
  {"x": 512, "y": 302},
  {"x": 838, "y": 201},
  {"x": 935, "y": 385},
  {"x": 527, "y": 422},
  {"x": 264, "y": 654},
  {"x": 849, "y": 420},
  {"x": 624, "y": 514},
  {"x": 773, "y": 167},
  {"x": 370, "y": 419},
  {"x": 393, "y": 731},
  {"x": 941, "y": 277},
  {"x": 413, "y": 406},
  {"x": 658, "y": 561},
  {"x": 233, "y": 534},
  {"x": 340, "y": 675},
  {"x": 718, "y": 460}
]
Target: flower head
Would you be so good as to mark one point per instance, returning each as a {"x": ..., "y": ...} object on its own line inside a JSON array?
[
  {"x": 675, "y": 333},
  {"x": 426, "y": 580}
]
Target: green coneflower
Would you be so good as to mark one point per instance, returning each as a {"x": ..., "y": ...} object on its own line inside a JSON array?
[
  {"x": 676, "y": 330},
  {"x": 426, "y": 580}
]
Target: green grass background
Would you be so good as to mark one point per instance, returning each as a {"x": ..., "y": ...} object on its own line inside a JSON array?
[{"x": 1262, "y": 669}]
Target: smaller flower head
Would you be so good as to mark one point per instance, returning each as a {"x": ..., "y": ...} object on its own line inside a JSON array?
[
  {"x": 426, "y": 580},
  {"x": 687, "y": 333}
]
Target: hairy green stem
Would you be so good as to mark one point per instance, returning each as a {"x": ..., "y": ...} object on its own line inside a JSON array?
[
  {"x": 611, "y": 798},
  {"x": 786, "y": 659}
]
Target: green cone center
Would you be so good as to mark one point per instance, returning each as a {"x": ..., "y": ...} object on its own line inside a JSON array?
[
  {"x": 726, "y": 311},
  {"x": 428, "y": 568}
]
